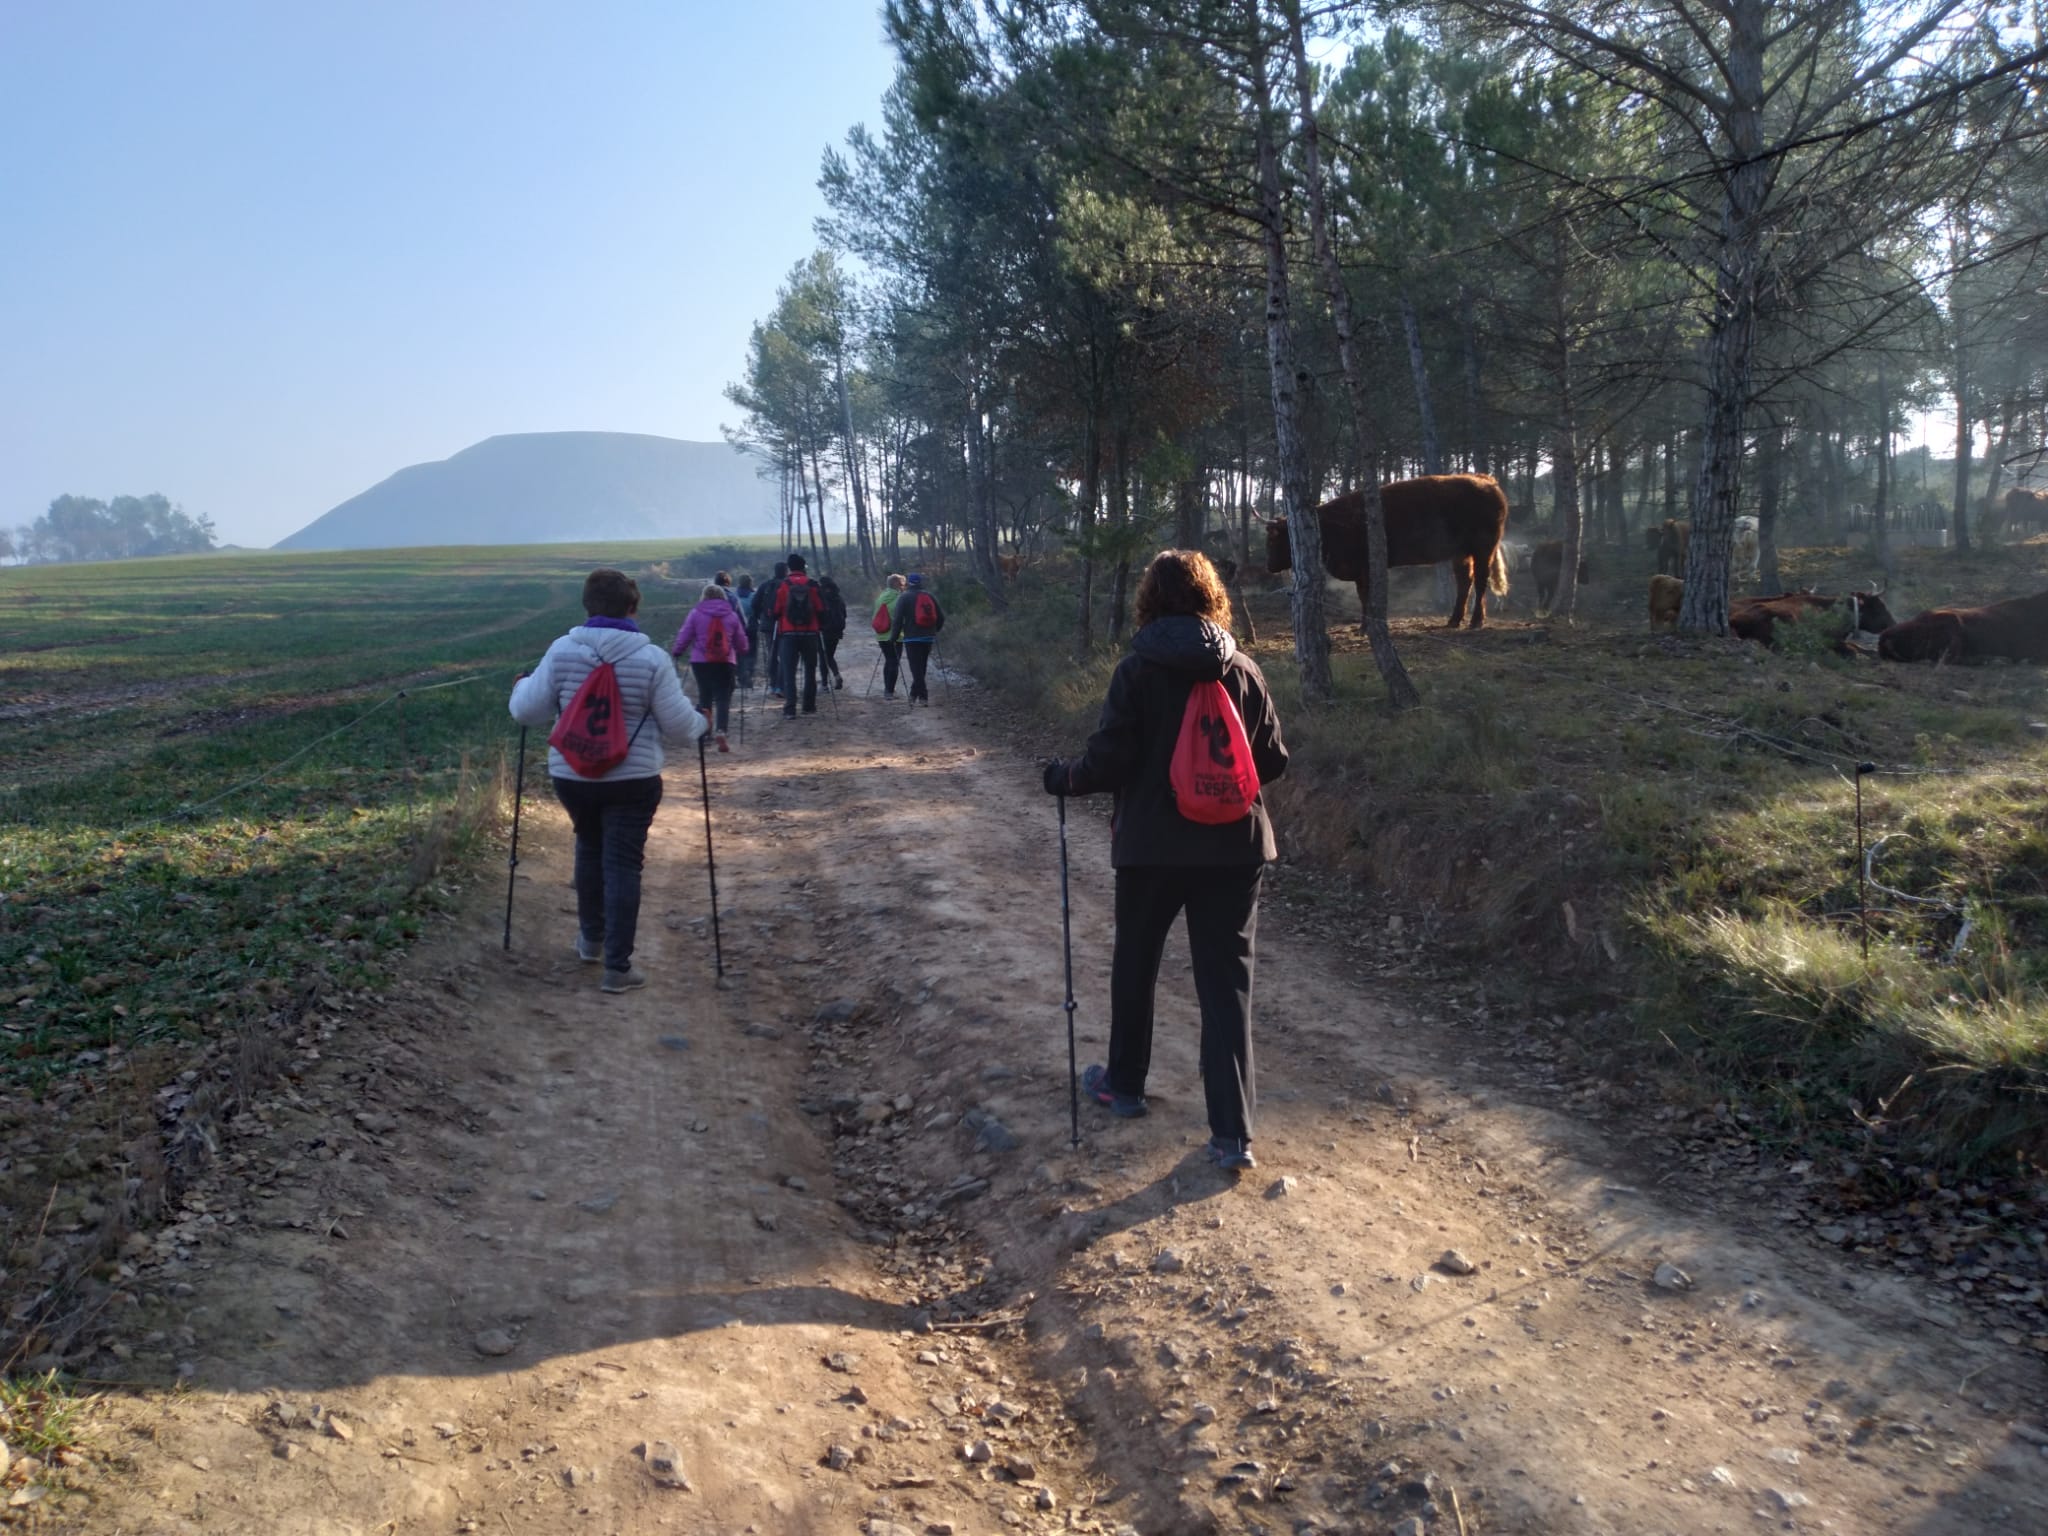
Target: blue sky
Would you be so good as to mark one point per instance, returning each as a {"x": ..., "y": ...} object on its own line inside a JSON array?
[{"x": 260, "y": 255}]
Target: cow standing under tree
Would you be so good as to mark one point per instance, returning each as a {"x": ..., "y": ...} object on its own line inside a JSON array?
[{"x": 1459, "y": 518}]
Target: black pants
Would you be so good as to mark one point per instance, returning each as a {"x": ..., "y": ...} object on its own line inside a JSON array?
[
  {"x": 832, "y": 656},
  {"x": 1222, "y": 905},
  {"x": 714, "y": 690},
  {"x": 800, "y": 647},
  {"x": 611, "y": 818},
  {"x": 892, "y": 655},
  {"x": 919, "y": 654}
]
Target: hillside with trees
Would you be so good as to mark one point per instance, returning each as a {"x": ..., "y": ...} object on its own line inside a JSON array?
[{"x": 1116, "y": 272}]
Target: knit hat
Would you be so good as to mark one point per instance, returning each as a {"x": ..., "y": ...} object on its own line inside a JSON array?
[{"x": 915, "y": 578}]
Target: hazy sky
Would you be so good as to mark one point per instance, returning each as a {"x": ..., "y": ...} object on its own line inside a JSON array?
[{"x": 257, "y": 256}]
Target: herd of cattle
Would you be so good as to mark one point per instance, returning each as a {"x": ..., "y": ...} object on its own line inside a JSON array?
[{"x": 1462, "y": 520}]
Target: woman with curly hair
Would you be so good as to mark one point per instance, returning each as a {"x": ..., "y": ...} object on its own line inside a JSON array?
[{"x": 1165, "y": 862}]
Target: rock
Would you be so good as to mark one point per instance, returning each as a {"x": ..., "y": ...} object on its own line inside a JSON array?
[
  {"x": 1045, "y": 1499},
  {"x": 377, "y": 1122},
  {"x": 837, "y": 1012},
  {"x": 1280, "y": 1188},
  {"x": 1721, "y": 1476},
  {"x": 665, "y": 1464},
  {"x": 599, "y": 1205},
  {"x": 976, "y": 1451},
  {"x": 1787, "y": 1501},
  {"x": 838, "y": 1457},
  {"x": 494, "y": 1342},
  {"x": 339, "y": 1429},
  {"x": 1168, "y": 1263},
  {"x": 843, "y": 1362},
  {"x": 1669, "y": 1277},
  {"x": 763, "y": 1032},
  {"x": 201, "y": 1464},
  {"x": 990, "y": 1134},
  {"x": 1412, "y": 1526},
  {"x": 877, "y": 1526},
  {"x": 1203, "y": 1413},
  {"x": 578, "y": 1477},
  {"x": 1022, "y": 1468},
  {"x": 854, "y": 1394},
  {"x": 1454, "y": 1262},
  {"x": 767, "y": 1221},
  {"x": 797, "y": 1182},
  {"x": 289, "y": 1450},
  {"x": 6, "y": 1459}
]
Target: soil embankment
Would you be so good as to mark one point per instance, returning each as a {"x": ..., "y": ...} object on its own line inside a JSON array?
[{"x": 822, "y": 1231}]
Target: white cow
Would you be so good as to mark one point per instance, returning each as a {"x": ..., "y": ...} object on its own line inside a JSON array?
[{"x": 1747, "y": 548}]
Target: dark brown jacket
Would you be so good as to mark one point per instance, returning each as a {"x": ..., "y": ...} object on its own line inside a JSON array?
[{"x": 1131, "y": 751}]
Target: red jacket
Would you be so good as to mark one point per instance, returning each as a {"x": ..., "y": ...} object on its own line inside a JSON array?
[{"x": 789, "y": 626}]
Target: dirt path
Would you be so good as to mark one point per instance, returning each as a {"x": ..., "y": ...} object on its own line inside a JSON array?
[{"x": 501, "y": 1231}]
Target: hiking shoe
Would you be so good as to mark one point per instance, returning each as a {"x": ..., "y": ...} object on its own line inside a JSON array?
[
  {"x": 1095, "y": 1083},
  {"x": 588, "y": 951},
  {"x": 1231, "y": 1155},
  {"x": 723, "y": 744},
  {"x": 631, "y": 978}
]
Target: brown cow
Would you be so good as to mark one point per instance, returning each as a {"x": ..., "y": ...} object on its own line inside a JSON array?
[
  {"x": 1667, "y": 596},
  {"x": 2016, "y": 629},
  {"x": 1757, "y": 618},
  {"x": 1547, "y": 565},
  {"x": 1009, "y": 565},
  {"x": 2027, "y": 508},
  {"x": 1674, "y": 538},
  {"x": 1459, "y": 518}
]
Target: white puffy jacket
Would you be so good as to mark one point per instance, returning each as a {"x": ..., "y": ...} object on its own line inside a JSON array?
[{"x": 647, "y": 686}]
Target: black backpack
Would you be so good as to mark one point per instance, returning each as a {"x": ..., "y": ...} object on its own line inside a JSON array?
[{"x": 797, "y": 609}]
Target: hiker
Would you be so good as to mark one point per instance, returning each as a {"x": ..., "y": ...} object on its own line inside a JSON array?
[
  {"x": 743, "y": 599},
  {"x": 713, "y": 640},
  {"x": 764, "y": 625},
  {"x": 834, "y": 630},
  {"x": 799, "y": 620},
  {"x": 884, "y": 625},
  {"x": 919, "y": 618},
  {"x": 1165, "y": 861},
  {"x": 611, "y": 810}
]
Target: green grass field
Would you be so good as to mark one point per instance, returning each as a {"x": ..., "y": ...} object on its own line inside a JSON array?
[{"x": 210, "y": 791}]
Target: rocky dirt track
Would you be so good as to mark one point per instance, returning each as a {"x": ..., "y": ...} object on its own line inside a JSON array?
[{"x": 812, "y": 1253}]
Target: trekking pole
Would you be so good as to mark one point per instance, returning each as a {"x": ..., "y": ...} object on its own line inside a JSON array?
[
  {"x": 710, "y": 863},
  {"x": 512, "y": 863},
  {"x": 1862, "y": 864},
  {"x": 1067, "y": 944},
  {"x": 873, "y": 672}
]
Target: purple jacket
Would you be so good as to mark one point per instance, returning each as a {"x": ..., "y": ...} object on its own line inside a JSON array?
[{"x": 697, "y": 629}]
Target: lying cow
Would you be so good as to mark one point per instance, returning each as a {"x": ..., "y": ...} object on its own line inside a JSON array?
[
  {"x": 1459, "y": 518},
  {"x": 1746, "y": 550},
  {"x": 2016, "y": 629},
  {"x": 1667, "y": 596},
  {"x": 1757, "y": 618},
  {"x": 1546, "y": 564}
]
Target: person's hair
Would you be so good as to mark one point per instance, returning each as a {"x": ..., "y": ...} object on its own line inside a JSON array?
[
  {"x": 1182, "y": 582},
  {"x": 827, "y": 584},
  {"x": 896, "y": 581},
  {"x": 746, "y": 582},
  {"x": 723, "y": 578},
  {"x": 796, "y": 562},
  {"x": 713, "y": 592},
  {"x": 610, "y": 594},
  {"x": 781, "y": 568}
]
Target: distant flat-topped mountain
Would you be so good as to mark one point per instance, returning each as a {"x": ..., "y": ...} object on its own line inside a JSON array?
[{"x": 552, "y": 488}]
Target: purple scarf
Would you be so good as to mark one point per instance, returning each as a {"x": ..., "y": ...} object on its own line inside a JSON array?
[{"x": 599, "y": 621}]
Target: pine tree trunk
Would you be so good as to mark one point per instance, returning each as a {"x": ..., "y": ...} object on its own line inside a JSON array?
[
  {"x": 1475, "y": 410},
  {"x": 1120, "y": 520},
  {"x": 1965, "y": 441},
  {"x": 1091, "y": 499},
  {"x": 1401, "y": 692},
  {"x": 853, "y": 480},
  {"x": 1880, "y": 512},
  {"x": 1311, "y": 634},
  {"x": 1425, "y": 413},
  {"x": 1769, "y": 475}
]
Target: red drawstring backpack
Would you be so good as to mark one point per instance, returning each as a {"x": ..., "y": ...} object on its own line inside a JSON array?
[{"x": 1212, "y": 776}]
